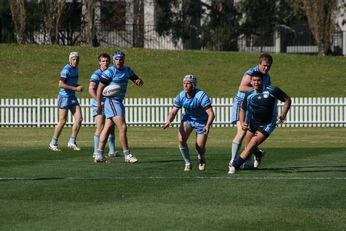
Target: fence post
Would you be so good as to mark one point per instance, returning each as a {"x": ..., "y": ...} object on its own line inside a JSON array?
[{"x": 39, "y": 112}]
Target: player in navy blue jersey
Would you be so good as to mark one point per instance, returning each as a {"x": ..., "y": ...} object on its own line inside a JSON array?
[
  {"x": 264, "y": 63},
  {"x": 67, "y": 101},
  {"x": 198, "y": 115},
  {"x": 258, "y": 116},
  {"x": 113, "y": 107},
  {"x": 104, "y": 60}
]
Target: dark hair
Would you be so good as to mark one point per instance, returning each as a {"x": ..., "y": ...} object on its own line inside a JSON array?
[
  {"x": 267, "y": 57},
  {"x": 257, "y": 74},
  {"x": 104, "y": 55}
]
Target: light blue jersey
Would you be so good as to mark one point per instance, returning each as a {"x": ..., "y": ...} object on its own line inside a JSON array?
[
  {"x": 69, "y": 76},
  {"x": 194, "y": 108},
  {"x": 238, "y": 100},
  {"x": 96, "y": 79},
  {"x": 121, "y": 77}
]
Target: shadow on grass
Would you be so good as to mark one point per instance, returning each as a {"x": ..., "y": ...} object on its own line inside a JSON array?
[{"x": 305, "y": 169}]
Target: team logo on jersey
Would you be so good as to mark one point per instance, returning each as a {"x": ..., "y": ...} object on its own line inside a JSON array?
[{"x": 266, "y": 94}]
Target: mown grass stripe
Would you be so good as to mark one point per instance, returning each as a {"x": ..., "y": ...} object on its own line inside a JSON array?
[{"x": 171, "y": 178}]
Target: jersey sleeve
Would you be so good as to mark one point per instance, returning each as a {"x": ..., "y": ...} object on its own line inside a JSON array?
[
  {"x": 205, "y": 101},
  {"x": 64, "y": 74},
  {"x": 279, "y": 94},
  {"x": 178, "y": 102},
  {"x": 106, "y": 76},
  {"x": 94, "y": 78}
]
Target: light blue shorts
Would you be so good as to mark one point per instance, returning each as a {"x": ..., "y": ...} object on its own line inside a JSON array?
[
  {"x": 196, "y": 125},
  {"x": 94, "y": 112},
  {"x": 66, "y": 102},
  {"x": 113, "y": 108},
  {"x": 235, "y": 109}
]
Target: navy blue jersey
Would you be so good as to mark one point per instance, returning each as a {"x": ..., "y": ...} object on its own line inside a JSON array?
[{"x": 262, "y": 107}]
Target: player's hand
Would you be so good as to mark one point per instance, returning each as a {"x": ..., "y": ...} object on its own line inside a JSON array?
[
  {"x": 166, "y": 125},
  {"x": 79, "y": 88},
  {"x": 206, "y": 130},
  {"x": 280, "y": 120},
  {"x": 244, "y": 126},
  {"x": 139, "y": 82},
  {"x": 99, "y": 109}
]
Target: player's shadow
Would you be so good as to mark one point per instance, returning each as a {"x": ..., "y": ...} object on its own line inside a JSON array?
[
  {"x": 163, "y": 161},
  {"x": 32, "y": 178},
  {"x": 307, "y": 169}
]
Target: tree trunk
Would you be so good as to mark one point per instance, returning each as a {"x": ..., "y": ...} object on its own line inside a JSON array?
[{"x": 19, "y": 19}]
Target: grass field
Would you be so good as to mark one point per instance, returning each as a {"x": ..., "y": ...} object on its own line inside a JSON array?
[
  {"x": 301, "y": 184},
  {"x": 31, "y": 71}
]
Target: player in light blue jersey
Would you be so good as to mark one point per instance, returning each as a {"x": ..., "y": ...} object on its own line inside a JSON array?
[
  {"x": 258, "y": 116},
  {"x": 67, "y": 101},
  {"x": 113, "y": 107},
  {"x": 264, "y": 63},
  {"x": 104, "y": 60},
  {"x": 198, "y": 115}
]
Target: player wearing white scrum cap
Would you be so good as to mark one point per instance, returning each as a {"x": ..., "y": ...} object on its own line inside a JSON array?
[
  {"x": 192, "y": 79},
  {"x": 198, "y": 115},
  {"x": 67, "y": 101},
  {"x": 73, "y": 54}
]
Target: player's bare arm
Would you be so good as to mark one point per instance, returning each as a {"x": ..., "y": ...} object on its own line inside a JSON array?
[
  {"x": 136, "y": 80},
  {"x": 245, "y": 84},
  {"x": 286, "y": 107},
  {"x": 99, "y": 97},
  {"x": 242, "y": 120},
  {"x": 170, "y": 117},
  {"x": 78, "y": 88},
  {"x": 211, "y": 117},
  {"x": 92, "y": 93}
]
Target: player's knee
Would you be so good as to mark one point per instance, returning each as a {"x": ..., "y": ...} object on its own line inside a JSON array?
[
  {"x": 122, "y": 128},
  {"x": 79, "y": 120},
  {"x": 182, "y": 142},
  {"x": 62, "y": 122},
  {"x": 200, "y": 150}
]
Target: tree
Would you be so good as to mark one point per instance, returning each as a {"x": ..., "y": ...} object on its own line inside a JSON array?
[
  {"x": 52, "y": 10},
  {"x": 179, "y": 19},
  {"x": 263, "y": 18},
  {"x": 220, "y": 29},
  {"x": 18, "y": 13},
  {"x": 138, "y": 28},
  {"x": 321, "y": 18},
  {"x": 88, "y": 21},
  {"x": 6, "y": 25}
]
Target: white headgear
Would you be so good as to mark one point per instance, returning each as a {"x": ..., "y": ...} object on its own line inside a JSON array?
[
  {"x": 73, "y": 54},
  {"x": 190, "y": 78}
]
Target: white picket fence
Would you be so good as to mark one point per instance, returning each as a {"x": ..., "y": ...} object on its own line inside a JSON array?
[{"x": 305, "y": 112}]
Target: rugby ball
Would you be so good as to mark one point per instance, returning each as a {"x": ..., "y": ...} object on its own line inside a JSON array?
[{"x": 111, "y": 90}]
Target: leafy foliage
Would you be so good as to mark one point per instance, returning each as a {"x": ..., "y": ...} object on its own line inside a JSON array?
[{"x": 220, "y": 29}]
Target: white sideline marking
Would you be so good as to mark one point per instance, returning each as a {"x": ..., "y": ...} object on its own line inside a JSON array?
[{"x": 173, "y": 178}]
